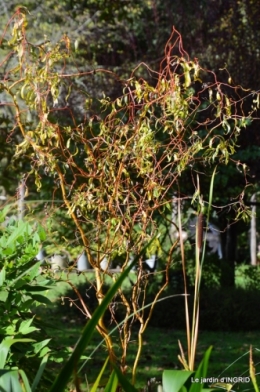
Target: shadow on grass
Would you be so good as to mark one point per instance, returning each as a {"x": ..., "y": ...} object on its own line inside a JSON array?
[{"x": 223, "y": 313}]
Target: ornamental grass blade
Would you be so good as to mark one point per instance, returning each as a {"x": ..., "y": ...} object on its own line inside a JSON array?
[
  {"x": 24, "y": 381},
  {"x": 96, "y": 383},
  {"x": 202, "y": 372},
  {"x": 125, "y": 384},
  {"x": 112, "y": 383},
  {"x": 39, "y": 373}
]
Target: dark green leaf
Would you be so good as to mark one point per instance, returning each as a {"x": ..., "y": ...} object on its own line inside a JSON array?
[{"x": 41, "y": 298}]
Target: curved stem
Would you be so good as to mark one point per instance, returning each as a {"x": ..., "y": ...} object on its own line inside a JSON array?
[{"x": 138, "y": 354}]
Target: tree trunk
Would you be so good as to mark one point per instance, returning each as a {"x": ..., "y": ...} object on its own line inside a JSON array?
[{"x": 229, "y": 242}]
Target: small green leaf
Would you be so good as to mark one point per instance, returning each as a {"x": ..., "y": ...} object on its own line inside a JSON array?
[
  {"x": 34, "y": 271},
  {"x": 2, "y": 276},
  {"x": 40, "y": 345},
  {"x": 20, "y": 283},
  {"x": 44, "y": 351},
  {"x": 25, "y": 327},
  {"x": 3, "y": 296},
  {"x": 42, "y": 233}
]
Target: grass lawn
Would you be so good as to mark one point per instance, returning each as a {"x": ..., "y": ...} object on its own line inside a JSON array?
[{"x": 230, "y": 357}]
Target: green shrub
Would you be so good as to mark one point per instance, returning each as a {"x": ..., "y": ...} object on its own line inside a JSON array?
[
  {"x": 248, "y": 276},
  {"x": 22, "y": 342}
]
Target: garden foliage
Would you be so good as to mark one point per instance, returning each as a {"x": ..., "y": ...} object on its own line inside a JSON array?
[{"x": 22, "y": 342}]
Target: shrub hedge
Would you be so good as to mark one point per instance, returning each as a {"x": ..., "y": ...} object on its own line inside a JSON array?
[{"x": 229, "y": 309}]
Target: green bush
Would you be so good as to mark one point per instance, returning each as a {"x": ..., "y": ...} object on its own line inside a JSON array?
[
  {"x": 248, "y": 276},
  {"x": 22, "y": 341}
]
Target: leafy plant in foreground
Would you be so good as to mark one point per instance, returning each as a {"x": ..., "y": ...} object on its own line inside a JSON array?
[
  {"x": 20, "y": 292},
  {"x": 185, "y": 380}
]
